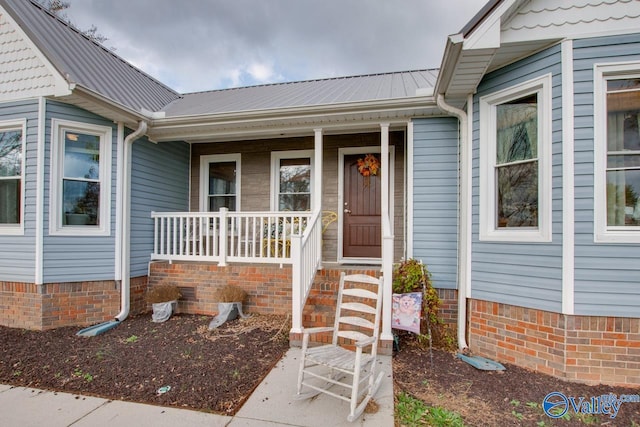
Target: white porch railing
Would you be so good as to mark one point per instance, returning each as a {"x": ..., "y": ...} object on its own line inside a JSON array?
[
  {"x": 307, "y": 256},
  {"x": 261, "y": 237}
]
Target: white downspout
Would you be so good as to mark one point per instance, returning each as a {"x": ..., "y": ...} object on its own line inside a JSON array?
[
  {"x": 125, "y": 215},
  {"x": 465, "y": 211}
]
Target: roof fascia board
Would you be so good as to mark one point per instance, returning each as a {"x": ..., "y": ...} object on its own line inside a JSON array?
[
  {"x": 452, "y": 52},
  {"x": 62, "y": 86},
  {"x": 297, "y": 112}
]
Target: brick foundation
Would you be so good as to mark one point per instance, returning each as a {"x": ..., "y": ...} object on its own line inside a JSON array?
[
  {"x": 448, "y": 310},
  {"x": 268, "y": 285},
  {"x": 588, "y": 349},
  {"x": 52, "y": 305}
]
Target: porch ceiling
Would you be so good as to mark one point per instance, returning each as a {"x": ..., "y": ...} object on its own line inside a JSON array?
[{"x": 291, "y": 122}]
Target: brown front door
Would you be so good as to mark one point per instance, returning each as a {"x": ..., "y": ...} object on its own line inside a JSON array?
[{"x": 362, "y": 232}]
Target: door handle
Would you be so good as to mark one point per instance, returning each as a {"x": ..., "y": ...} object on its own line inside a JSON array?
[{"x": 347, "y": 211}]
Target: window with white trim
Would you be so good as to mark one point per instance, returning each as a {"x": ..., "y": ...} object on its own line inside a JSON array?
[
  {"x": 220, "y": 182},
  {"x": 617, "y": 157},
  {"x": 291, "y": 180},
  {"x": 81, "y": 179},
  {"x": 11, "y": 176},
  {"x": 515, "y": 163}
]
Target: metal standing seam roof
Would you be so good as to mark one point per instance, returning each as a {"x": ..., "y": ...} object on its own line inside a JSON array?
[
  {"x": 88, "y": 63},
  {"x": 310, "y": 93}
]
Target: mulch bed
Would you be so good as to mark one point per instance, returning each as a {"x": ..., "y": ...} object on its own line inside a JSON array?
[
  {"x": 216, "y": 371},
  {"x": 213, "y": 371},
  {"x": 497, "y": 398}
]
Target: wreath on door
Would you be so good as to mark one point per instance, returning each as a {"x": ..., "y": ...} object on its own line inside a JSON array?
[{"x": 368, "y": 166}]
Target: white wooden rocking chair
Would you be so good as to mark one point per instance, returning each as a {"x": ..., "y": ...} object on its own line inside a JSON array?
[{"x": 356, "y": 327}]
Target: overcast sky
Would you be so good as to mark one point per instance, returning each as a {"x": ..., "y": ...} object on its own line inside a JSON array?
[{"x": 196, "y": 45}]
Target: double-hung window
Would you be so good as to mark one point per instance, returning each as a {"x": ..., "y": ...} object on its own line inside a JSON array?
[
  {"x": 291, "y": 179},
  {"x": 515, "y": 147},
  {"x": 81, "y": 179},
  {"x": 617, "y": 156},
  {"x": 220, "y": 178},
  {"x": 11, "y": 176}
]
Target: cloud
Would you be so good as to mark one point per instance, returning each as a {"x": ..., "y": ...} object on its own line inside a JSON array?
[{"x": 208, "y": 44}]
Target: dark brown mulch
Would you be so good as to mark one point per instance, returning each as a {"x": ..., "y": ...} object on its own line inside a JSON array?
[
  {"x": 216, "y": 371},
  {"x": 497, "y": 398},
  {"x": 212, "y": 371}
]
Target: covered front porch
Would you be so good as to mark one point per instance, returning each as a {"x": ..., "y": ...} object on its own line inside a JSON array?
[{"x": 288, "y": 208}]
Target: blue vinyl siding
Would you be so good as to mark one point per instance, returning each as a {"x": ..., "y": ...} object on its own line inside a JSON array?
[
  {"x": 160, "y": 182},
  {"x": 607, "y": 276},
  {"x": 77, "y": 258},
  {"x": 17, "y": 253},
  {"x": 435, "y": 205},
  {"x": 522, "y": 274}
]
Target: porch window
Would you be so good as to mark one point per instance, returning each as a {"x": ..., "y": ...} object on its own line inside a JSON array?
[
  {"x": 220, "y": 178},
  {"x": 619, "y": 153},
  {"x": 292, "y": 173},
  {"x": 81, "y": 193},
  {"x": 11, "y": 176},
  {"x": 515, "y": 147}
]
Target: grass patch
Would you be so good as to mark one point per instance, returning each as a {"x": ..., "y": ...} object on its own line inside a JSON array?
[{"x": 410, "y": 411}]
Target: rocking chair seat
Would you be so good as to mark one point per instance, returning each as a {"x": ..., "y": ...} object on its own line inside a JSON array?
[{"x": 336, "y": 357}]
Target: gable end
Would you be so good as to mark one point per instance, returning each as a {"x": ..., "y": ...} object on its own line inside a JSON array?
[
  {"x": 546, "y": 19},
  {"x": 23, "y": 72}
]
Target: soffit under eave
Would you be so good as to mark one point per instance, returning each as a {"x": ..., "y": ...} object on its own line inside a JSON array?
[{"x": 469, "y": 71}]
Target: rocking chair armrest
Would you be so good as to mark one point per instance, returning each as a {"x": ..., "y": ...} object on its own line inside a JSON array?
[
  {"x": 317, "y": 330},
  {"x": 365, "y": 342}
]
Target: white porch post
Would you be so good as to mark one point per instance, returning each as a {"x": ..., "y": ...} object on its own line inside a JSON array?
[
  {"x": 317, "y": 176},
  {"x": 384, "y": 165},
  {"x": 387, "y": 237},
  {"x": 222, "y": 243}
]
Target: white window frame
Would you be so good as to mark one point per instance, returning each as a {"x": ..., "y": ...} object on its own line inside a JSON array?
[
  {"x": 9, "y": 125},
  {"x": 58, "y": 128},
  {"x": 602, "y": 73},
  {"x": 489, "y": 231},
  {"x": 204, "y": 177},
  {"x": 276, "y": 156}
]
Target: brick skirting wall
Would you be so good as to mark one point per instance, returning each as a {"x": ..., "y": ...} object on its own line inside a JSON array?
[
  {"x": 52, "y": 305},
  {"x": 268, "y": 285},
  {"x": 587, "y": 349},
  {"x": 448, "y": 310}
]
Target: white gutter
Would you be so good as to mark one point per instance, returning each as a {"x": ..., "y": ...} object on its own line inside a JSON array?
[
  {"x": 125, "y": 216},
  {"x": 465, "y": 210}
]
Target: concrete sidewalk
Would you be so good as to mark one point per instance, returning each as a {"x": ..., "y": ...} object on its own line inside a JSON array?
[{"x": 271, "y": 404}]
